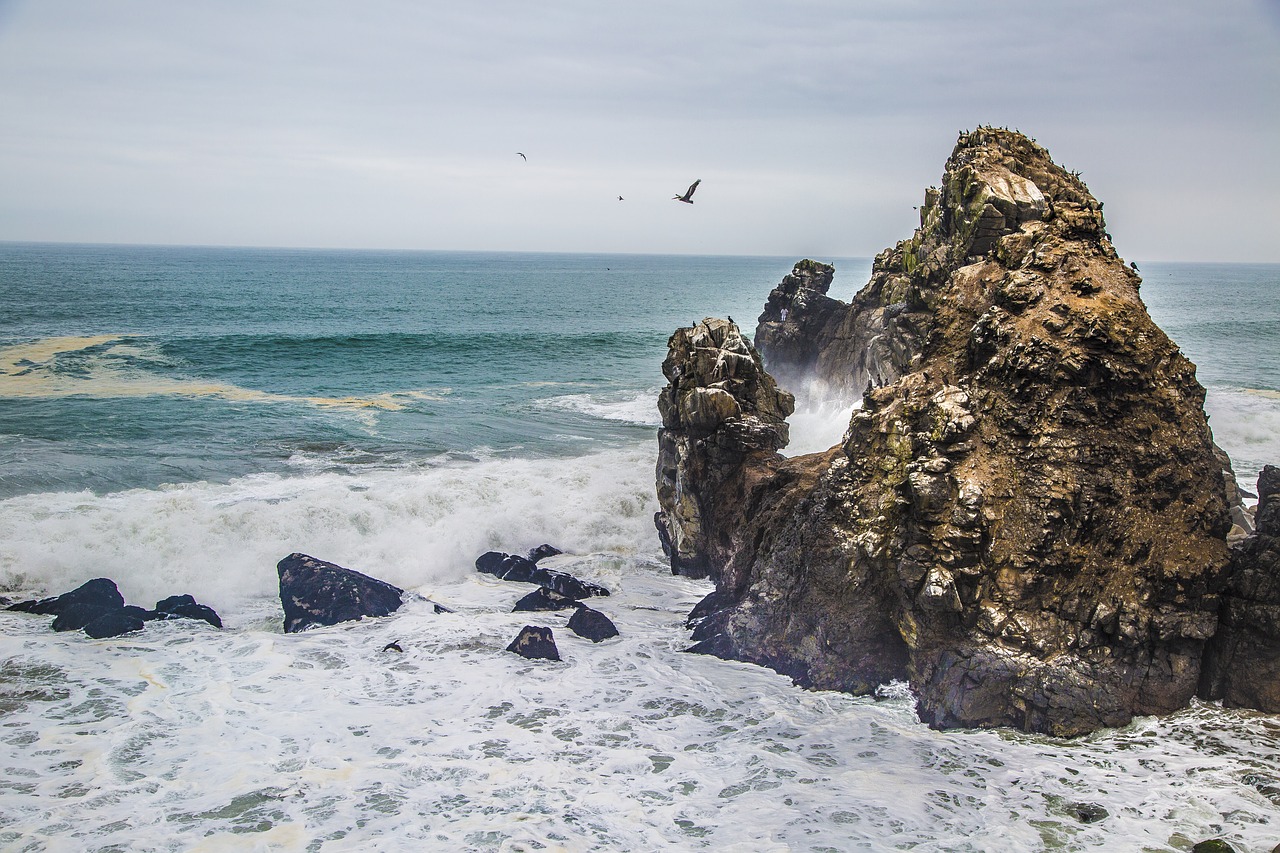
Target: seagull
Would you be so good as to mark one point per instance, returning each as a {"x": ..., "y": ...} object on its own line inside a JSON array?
[
  {"x": 687, "y": 198},
  {"x": 522, "y": 157}
]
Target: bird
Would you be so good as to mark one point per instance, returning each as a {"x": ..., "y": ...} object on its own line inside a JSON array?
[
  {"x": 393, "y": 646},
  {"x": 687, "y": 198},
  {"x": 620, "y": 198},
  {"x": 1132, "y": 264},
  {"x": 522, "y": 157}
]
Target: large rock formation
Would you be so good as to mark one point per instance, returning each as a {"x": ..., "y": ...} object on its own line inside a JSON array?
[{"x": 1026, "y": 517}]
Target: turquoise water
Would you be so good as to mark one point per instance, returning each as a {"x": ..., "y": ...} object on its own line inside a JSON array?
[{"x": 180, "y": 419}]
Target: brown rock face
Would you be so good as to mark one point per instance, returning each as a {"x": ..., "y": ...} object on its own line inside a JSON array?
[{"x": 1026, "y": 519}]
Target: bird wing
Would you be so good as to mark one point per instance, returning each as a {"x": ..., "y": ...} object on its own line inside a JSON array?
[{"x": 693, "y": 186}]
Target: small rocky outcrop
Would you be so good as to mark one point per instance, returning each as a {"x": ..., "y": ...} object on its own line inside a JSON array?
[
  {"x": 100, "y": 593},
  {"x": 98, "y": 608},
  {"x": 186, "y": 607},
  {"x": 536, "y": 643},
  {"x": 1026, "y": 518},
  {"x": 315, "y": 592},
  {"x": 1242, "y": 667},
  {"x": 513, "y": 567},
  {"x": 592, "y": 624}
]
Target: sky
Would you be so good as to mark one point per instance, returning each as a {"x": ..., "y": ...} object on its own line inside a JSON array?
[{"x": 815, "y": 127}]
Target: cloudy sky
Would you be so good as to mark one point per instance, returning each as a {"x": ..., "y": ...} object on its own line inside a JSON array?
[{"x": 814, "y": 126}]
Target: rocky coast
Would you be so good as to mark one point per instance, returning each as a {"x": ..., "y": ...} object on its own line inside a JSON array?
[{"x": 1027, "y": 518}]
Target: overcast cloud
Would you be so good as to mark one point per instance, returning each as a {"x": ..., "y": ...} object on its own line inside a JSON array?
[{"x": 814, "y": 126}]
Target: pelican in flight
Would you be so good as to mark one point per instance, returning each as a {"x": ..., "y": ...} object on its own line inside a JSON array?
[{"x": 687, "y": 198}]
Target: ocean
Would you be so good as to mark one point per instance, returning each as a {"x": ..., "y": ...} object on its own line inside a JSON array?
[{"x": 180, "y": 419}]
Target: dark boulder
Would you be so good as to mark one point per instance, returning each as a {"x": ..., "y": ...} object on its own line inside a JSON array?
[
  {"x": 543, "y": 551},
  {"x": 78, "y": 614},
  {"x": 536, "y": 643},
  {"x": 186, "y": 607},
  {"x": 113, "y": 623},
  {"x": 592, "y": 624},
  {"x": 543, "y": 599},
  {"x": 1213, "y": 845},
  {"x": 99, "y": 592},
  {"x": 316, "y": 592},
  {"x": 512, "y": 567}
]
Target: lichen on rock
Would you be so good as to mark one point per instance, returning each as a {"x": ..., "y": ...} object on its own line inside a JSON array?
[{"x": 1026, "y": 518}]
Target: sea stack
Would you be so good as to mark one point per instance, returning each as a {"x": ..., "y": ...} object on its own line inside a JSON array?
[{"x": 1026, "y": 518}]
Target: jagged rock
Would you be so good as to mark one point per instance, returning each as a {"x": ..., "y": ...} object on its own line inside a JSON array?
[
  {"x": 536, "y": 643},
  {"x": 1089, "y": 812},
  {"x": 512, "y": 567},
  {"x": 113, "y": 623},
  {"x": 592, "y": 624},
  {"x": 703, "y": 435},
  {"x": 1242, "y": 666},
  {"x": 544, "y": 599},
  {"x": 1026, "y": 518},
  {"x": 99, "y": 592},
  {"x": 315, "y": 592},
  {"x": 542, "y": 552}
]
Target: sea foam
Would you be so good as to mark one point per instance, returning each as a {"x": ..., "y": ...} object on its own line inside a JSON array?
[{"x": 411, "y": 526}]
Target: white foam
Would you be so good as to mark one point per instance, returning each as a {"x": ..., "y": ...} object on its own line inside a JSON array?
[
  {"x": 626, "y": 406},
  {"x": 183, "y": 737},
  {"x": 1246, "y": 424},
  {"x": 220, "y": 542}
]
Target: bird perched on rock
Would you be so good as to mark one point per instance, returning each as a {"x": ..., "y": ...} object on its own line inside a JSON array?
[
  {"x": 393, "y": 646},
  {"x": 687, "y": 198}
]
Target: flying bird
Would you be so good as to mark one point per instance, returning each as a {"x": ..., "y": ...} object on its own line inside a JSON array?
[
  {"x": 619, "y": 198},
  {"x": 522, "y": 157},
  {"x": 687, "y": 198}
]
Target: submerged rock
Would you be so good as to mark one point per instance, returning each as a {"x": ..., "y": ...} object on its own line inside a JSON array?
[
  {"x": 315, "y": 592},
  {"x": 1026, "y": 518},
  {"x": 512, "y": 567},
  {"x": 592, "y": 624},
  {"x": 536, "y": 643}
]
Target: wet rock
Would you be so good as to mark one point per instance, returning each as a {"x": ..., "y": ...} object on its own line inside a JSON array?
[
  {"x": 99, "y": 592},
  {"x": 1026, "y": 518},
  {"x": 542, "y": 552},
  {"x": 536, "y": 643},
  {"x": 512, "y": 567},
  {"x": 186, "y": 607},
  {"x": 1214, "y": 845},
  {"x": 592, "y": 624},
  {"x": 315, "y": 592},
  {"x": 1242, "y": 664},
  {"x": 1089, "y": 812},
  {"x": 113, "y": 623},
  {"x": 544, "y": 599}
]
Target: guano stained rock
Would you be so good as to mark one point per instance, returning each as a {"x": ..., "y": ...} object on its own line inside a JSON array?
[{"x": 1026, "y": 518}]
